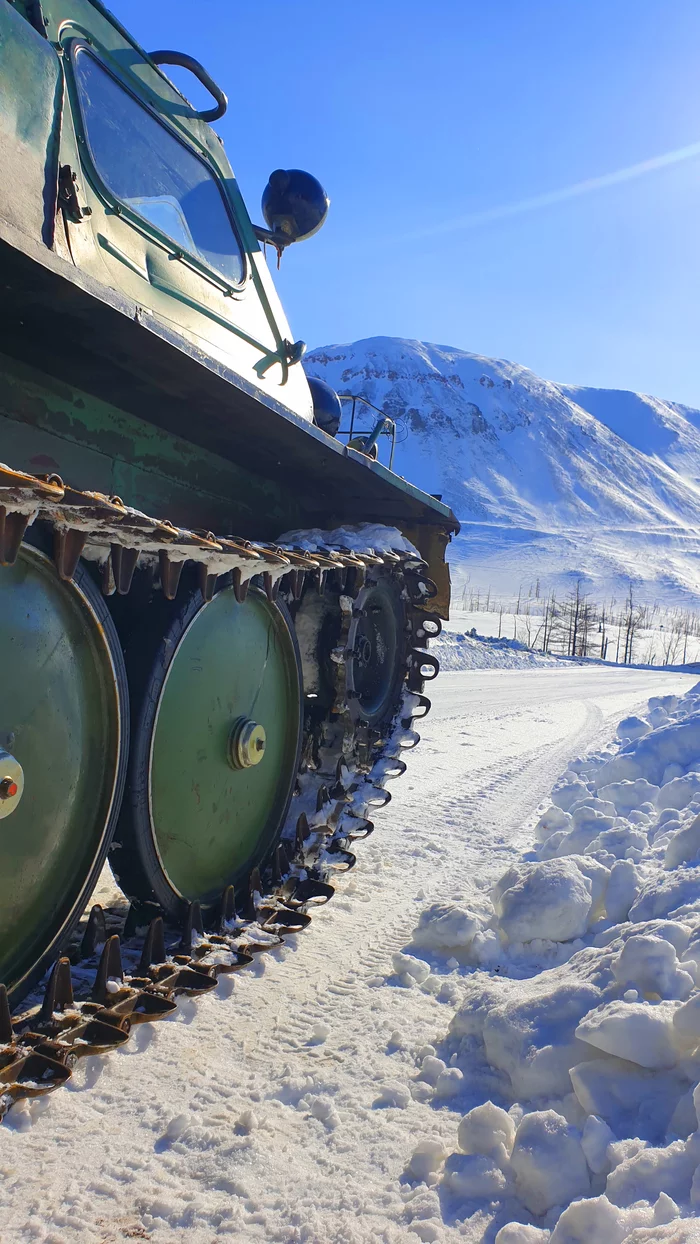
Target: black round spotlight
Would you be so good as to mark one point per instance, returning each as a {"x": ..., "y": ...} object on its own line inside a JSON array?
[{"x": 294, "y": 203}]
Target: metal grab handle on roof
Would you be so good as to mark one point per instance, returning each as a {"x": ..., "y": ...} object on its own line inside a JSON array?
[
  {"x": 166, "y": 57},
  {"x": 384, "y": 425}
]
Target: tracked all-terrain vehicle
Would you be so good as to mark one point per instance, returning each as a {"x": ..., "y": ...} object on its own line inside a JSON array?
[{"x": 213, "y": 612}]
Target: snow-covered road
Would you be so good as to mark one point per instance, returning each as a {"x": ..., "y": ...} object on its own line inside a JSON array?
[
  {"x": 487, "y": 691},
  {"x": 278, "y": 1109}
]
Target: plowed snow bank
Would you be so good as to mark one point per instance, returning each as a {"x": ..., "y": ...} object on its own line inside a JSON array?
[{"x": 578, "y": 1025}]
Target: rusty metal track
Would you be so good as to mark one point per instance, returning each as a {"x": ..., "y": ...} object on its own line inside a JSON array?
[{"x": 132, "y": 971}]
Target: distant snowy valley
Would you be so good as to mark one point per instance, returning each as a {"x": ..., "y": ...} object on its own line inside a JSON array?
[{"x": 552, "y": 484}]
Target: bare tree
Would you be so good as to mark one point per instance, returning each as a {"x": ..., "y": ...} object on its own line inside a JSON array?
[
  {"x": 573, "y": 605},
  {"x": 549, "y": 620},
  {"x": 528, "y": 625},
  {"x": 603, "y": 634},
  {"x": 588, "y": 616},
  {"x": 632, "y": 621}
]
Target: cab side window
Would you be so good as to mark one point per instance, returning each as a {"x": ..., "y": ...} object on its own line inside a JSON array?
[{"x": 150, "y": 171}]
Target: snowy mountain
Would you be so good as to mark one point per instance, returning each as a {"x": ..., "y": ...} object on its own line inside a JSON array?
[
  {"x": 549, "y": 481},
  {"x": 665, "y": 430}
]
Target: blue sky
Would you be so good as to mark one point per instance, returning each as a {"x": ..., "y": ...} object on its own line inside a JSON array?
[{"x": 424, "y": 121}]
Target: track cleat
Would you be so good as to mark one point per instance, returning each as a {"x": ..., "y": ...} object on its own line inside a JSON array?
[
  {"x": 118, "y": 996},
  {"x": 6, "y": 1033},
  {"x": 170, "y": 571},
  {"x": 59, "y": 991},
  {"x": 422, "y": 667},
  {"x": 310, "y": 890},
  {"x": 387, "y": 768},
  {"x": 335, "y": 856},
  {"x": 179, "y": 975},
  {"x": 69, "y": 543},
  {"x": 78, "y": 1034},
  {"x": 282, "y": 919},
  {"x": 139, "y": 916},
  {"x": 28, "y": 1074},
  {"x": 280, "y": 864},
  {"x": 363, "y": 830},
  {"x": 193, "y": 928},
  {"x": 95, "y": 934},
  {"x": 110, "y": 974},
  {"x": 255, "y": 889},
  {"x": 374, "y": 796},
  {"x": 228, "y": 908},
  {"x": 302, "y": 833},
  {"x": 218, "y": 953},
  {"x": 154, "y": 946},
  {"x": 322, "y": 798},
  {"x": 339, "y": 790}
]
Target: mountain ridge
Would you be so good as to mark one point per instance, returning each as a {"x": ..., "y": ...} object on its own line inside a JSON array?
[{"x": 599, "y": 484}]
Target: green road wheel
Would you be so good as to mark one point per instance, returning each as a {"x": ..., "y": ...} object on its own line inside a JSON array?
[
  {"x": 63, "y": 726},
  {"x": 216, "y": 748}
]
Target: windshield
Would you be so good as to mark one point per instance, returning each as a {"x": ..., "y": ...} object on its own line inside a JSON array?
[{"x": 147, "y": 168}]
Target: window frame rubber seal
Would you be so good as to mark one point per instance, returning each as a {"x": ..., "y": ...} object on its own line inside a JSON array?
[{"x": 77, "y": 46}]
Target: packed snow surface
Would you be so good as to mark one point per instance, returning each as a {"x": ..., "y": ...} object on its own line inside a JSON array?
[
  {"x": 549, "y": 481},
  {"x": 479, "y": 1039}
]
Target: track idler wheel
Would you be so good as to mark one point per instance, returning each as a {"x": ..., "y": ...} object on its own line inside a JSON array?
[
  {"x": 63, "y": 743},
  {"x": 376, "y": 652},
  {"x": 216, "y": 694}
]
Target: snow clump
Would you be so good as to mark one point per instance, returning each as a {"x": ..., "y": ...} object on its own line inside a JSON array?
[
  {"x": 548, "y": 1162},
  {"x": 446, "y": 928},
  {"x": 487, "y": 1130},
  {"x": 551, "y": 900}
]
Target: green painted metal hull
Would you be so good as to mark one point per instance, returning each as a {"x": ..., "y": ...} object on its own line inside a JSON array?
[{"x": 47, "y": 426}]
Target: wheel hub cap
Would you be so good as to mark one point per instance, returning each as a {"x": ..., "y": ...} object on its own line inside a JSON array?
[
  {"x": 363, "y": 651},
  {"x": 247, "y": 743},
  {"x": 11, "y": 783}
]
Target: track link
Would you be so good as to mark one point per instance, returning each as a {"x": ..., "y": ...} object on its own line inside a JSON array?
[{"x": 127, "y": 971}]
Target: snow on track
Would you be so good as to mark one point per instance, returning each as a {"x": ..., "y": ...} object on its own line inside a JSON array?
[{"x": 287, "y": 1107}]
